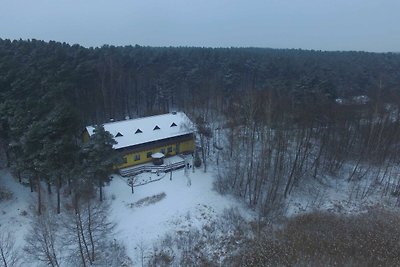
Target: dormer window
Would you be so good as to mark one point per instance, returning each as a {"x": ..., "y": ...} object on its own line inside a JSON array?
[
  {"x": 119, "y": 134},
  {"x": 156, "y": 128},
  {"x": 173, "y": 124},
  {"x": 138, "y": 131}
]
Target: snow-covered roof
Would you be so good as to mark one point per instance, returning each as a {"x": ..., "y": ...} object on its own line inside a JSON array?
[
  {"x": 147, "y": 129},
  {"x": 157, "y": 155}
]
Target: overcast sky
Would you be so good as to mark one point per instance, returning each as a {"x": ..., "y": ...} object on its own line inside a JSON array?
[{"x": 369, "y": 25}]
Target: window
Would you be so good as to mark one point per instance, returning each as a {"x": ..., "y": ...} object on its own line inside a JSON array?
[
  {"x": 138, "y": 131},
  {"x": 169, "y": 150},
  {"x": 137, "y": 157},
  {"x": 125, "y": 159},
  {"x": 173, "y": 124},
  {"x": 119, "y": 134},
  {"x": 149, "y": 154},
  {"x": 162, "y": 150},
  {"x": 156, "y": 128}
]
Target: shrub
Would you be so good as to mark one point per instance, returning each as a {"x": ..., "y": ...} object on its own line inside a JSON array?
[
  {"x": 148, "y": 200},
  {"x": 5, "y": 194}
]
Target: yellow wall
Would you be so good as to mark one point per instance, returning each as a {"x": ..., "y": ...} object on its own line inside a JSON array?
[
  {"x": 86, "y": 136},
  {"x": 184, "y": 147},
  {"x": 187, "y": 146}
]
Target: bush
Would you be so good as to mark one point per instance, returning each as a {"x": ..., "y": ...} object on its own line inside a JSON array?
[
  {"x": 5, "y": 194},
  {"x": 148, "y": 200}
]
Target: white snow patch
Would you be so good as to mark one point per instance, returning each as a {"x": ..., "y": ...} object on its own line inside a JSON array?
[
  {"x": 14, "y": 213},
  {"x": 189, "y": 202},
  {"x": 337, "y": 194}
]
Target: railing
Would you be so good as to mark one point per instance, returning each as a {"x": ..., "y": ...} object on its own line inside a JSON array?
[{"x": 151, "y": 168}]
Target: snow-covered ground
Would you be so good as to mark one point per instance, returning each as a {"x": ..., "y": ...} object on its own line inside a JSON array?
[
  {"x": 189, "y": 201},
  {"x": 337, "y": 194},
  {"x": 14, "y": 212}
]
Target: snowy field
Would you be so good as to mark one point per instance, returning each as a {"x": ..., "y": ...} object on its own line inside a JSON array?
[
  {"x": 185, "y": 202},
  {"x": 14, "y": 212},
  {"x": 337, "y": 194},
  {"x": 143, "y": 218}
]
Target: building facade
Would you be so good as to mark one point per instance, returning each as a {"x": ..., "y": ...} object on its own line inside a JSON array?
[{"x": 137, "y": 139}]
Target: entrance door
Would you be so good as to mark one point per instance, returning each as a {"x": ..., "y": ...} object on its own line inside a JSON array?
[{"x": 177, "y": 149}]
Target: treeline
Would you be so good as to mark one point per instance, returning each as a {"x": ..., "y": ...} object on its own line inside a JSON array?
[{"x": 115, "y": 82}]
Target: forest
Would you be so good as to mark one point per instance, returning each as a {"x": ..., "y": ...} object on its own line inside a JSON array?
[{"x": 270, "y": 119}]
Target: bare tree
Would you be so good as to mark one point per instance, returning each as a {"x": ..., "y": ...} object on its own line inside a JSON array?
[
  {"x": 43, "y": 241},
  {"x": 9, "y": 254},
  {"x": 205, "y": 134},
  {"x": 91, "y": 232}
]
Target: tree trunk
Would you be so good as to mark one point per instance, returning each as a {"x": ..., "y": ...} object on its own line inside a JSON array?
[
  {"x": 101, "y": 191},
  {"x": 48, "y": 187},
  {"x": 8, "y": 161},
  {"x": 39, "y": 191},
  {"x": 80, "y": 244},
  {"x": 69, "y": 187},
  {"x": 203, "y": 153},
  {"x": 90, "y": 231},
  {"x": 31, "y": 184},
  {"x": 82, "y": 233},
  {"x": 58, "y": 195},
  {"x": 3, "y": 257}
]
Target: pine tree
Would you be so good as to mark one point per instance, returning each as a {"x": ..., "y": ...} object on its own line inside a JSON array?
[
  {"x": 99, "y": 158},
  {"x": 61, "y": 146}
]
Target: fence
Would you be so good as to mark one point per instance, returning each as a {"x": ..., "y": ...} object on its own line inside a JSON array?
[{"x": 151, "y": 168}]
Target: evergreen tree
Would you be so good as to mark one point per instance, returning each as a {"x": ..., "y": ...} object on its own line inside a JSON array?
[
  {"x": 60, "y": 145},
  {"x": 99, "y": 158},
  {"x": 33, "y": 155}
]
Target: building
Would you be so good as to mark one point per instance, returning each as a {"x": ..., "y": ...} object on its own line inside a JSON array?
[{"x": 139, "y": 139}]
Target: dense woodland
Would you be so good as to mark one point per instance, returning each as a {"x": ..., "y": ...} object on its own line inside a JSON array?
[
  {"x": 112, "y": 82},
  {"x": 275, "y": 110},
  {"x": 269, "y": 118}
]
